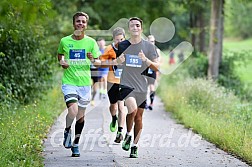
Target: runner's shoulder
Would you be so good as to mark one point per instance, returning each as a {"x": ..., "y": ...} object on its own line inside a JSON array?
[{"x": 124, "y": 43}]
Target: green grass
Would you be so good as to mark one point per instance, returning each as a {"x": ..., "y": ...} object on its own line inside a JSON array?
[
  {"x": 245, "y": 72},
  {"x": 211, "y": 111},
  {"x": 236, "y": 141},
  {"x": 23, "y": 130},
  {"x": 237, "y": 45}
]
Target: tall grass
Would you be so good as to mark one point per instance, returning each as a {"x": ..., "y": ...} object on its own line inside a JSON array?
[
  {"x": 24, "y": 128},
  {"x": 212, "y": 111}
]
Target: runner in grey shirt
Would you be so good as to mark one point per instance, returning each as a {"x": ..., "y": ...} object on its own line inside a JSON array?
[
  {"x": 134, "y": 69},
  {"x": 135, "y": 56}
]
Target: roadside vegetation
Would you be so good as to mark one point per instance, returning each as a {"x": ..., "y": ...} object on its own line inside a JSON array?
[
  {"x": 24, "y": 127},
  {"x": 216, "y": 110},
  {"x": 30, "y": 96}
]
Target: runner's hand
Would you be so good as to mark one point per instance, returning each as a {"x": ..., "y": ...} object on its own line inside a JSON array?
[
  {"x": 90, "y": 56},
  {"x": 141, "y": 56},
  {"x": 64, "y": 64},
  {"x": 120, "y": 59}
]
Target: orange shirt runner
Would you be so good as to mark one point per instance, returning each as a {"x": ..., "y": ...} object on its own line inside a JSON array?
[{"x": 109, "y": 55}]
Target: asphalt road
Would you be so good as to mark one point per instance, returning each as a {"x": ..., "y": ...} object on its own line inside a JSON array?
[{"x": 163, "y": 143}]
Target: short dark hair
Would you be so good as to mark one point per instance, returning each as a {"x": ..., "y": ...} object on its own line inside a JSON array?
[
  {"x": 136, "y": 18},
  {"x": 77, "y": 14}
]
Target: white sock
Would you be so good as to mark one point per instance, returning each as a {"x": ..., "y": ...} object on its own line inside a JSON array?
[
  {"x": 133, "y": 145},
  {"x": 75, "y": 145}
]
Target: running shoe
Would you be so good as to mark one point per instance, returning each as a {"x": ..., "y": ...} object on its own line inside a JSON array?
[
  {"x": 133, "y": 152},
  {"x": 113, "y": 126},
  {"x": 67, "y": 143},
  {"x": 119, "y": 137},
  {"x": 126, "y": 142},
  {"x": 75, "y": 151}
]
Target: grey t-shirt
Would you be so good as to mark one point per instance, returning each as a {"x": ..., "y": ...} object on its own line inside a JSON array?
[{"x": 134, "y": 70}]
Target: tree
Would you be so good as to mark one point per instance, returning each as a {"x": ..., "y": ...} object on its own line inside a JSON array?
[
  {"x": 198, "y": 12},
  {"x": 216, "y": 37},
  {"x": 237, "y": 20}
]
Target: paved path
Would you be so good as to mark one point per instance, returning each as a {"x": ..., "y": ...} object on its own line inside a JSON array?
[{"x": 163, "y": 143}]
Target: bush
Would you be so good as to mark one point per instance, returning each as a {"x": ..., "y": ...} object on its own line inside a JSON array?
[
  {"x": 25, "y": 65},
  {"x": 197, "y": 65},
  {"x": 228, "y": 76}
]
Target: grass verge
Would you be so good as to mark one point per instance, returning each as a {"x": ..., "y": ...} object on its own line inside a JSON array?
[
  {"x": 23, "y": 130},
  {"x": 211, "y": 111}
]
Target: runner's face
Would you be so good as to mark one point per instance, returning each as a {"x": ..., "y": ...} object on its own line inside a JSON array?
[
  {"x": 135, "y": 28},
  {"x": 101, "y": 44},
  {"x": 118, "y": 38},
  {"x": 152, "y": 40},
  {"x": 80, "y": 23}
]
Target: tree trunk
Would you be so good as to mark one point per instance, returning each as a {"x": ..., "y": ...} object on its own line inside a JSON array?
[
  {"x": 192, "y": 27},
  {"x": 202, "y": 39},
  {"x": 216, "y": 35},
  {"x": 222, "y": 30}
]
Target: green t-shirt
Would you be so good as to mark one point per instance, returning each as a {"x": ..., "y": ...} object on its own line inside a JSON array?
[{"x": 75, "y": 53}]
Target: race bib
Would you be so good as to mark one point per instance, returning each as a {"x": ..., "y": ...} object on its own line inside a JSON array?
[
  {"x": 133, "y": 61},
  {"x": 118, "y": 72},
  {"x": 77, "y": 57},
  {"x": 77, "y": 54}
]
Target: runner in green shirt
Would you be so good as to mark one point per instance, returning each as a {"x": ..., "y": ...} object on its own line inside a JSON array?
[{"x": 75, "y": 54}]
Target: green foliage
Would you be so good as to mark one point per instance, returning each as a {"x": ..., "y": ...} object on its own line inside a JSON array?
[
  {"x": 29, "y": 12},
  {"x": 24, "y": 69},
  {"x": 147, "y": 10},
  {"x": 244, "y": 71},
  {"x": 237, "y": 18},
  {"x": 104, "y": 14},
  {"x": 26, "y": 65},
  {"x": 197, "y": 66},
  {"x": 229, "y": 77}
]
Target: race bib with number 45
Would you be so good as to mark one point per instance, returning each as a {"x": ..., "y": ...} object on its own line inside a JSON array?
[
  {"x": 77, "y": 54},
  {"x": 77, "y": 57}
]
